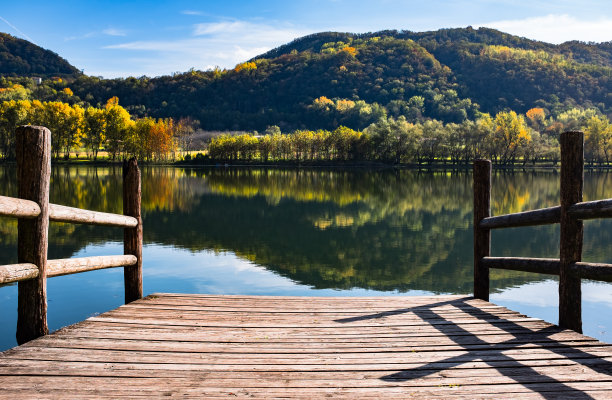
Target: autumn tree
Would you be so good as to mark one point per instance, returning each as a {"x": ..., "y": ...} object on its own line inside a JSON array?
[
  {"x": 536, "y": 118},
  {"x": 511, "y": 135},
  {"x": 598, "y": 139},
  {"x": 95, "y": 130},
  {"x": 118, "y": 122}
]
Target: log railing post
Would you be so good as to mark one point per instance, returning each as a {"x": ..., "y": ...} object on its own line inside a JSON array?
[
  {"x": 482, "y": 236},
  {"x": 570, "y": 249},
  {"x": 132, "y": 237},
  {"x": 33, "y": 151}
]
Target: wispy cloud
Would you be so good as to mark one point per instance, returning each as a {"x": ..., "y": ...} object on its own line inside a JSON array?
[
  {"x": 17, "y": 30},
  {"x": 221, "y": 43},
  {"x": 221, "y": 28},
  {"x": 192, "y": 12},
  {"x": 557, "y": 28},
  {"x": 114, "y": 32},
  {"x": 83, "y": 36},
  {"x": 106, "y": 32}
]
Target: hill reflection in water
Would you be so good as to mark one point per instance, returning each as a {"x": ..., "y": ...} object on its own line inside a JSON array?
[{"x": 301, "y": 231}]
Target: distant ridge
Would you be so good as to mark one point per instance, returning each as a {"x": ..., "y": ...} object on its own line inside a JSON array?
[
  {"x": 19, "y": 57},
  {"x": 328, "y": 79}
]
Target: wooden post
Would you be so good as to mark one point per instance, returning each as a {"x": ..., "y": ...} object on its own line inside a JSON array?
[
  {"x": 132, "y": 237},
  {"x": 482, "y": 236},
  {"x": 570, "y": 296},
  {"x": 33, "y": 151}
]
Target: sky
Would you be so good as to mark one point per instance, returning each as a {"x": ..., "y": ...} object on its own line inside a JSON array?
[{"x": 136, "y": 38}]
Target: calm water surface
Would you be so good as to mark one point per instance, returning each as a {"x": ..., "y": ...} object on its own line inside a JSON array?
[{"x": 306, "y": 232}]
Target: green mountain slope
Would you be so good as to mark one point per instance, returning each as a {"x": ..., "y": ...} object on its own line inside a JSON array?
[
  {"x": 329, "y": 79},
  {"x": 19, "y": 57}
]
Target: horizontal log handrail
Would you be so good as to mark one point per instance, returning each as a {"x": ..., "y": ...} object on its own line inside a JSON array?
[
  {"x": 591, "y": 209},
  {"x": 551, "y": 266},
  {"x": 67, "y": 266},
  {"x": 59, "y": 213},
  {"x": 17, "y": 272},
  {"x": 542, "y": 216},
  {"x": 536, "y": 265},
  {"x": 19, "y": 208},
  {"x": 64, "y": 266},
  {"x": 593, "y": 271}
]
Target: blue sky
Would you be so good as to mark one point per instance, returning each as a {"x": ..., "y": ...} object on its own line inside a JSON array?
[{"x": 135, "y": 38}]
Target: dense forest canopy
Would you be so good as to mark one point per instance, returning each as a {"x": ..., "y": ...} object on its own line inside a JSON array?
[
  {"x": 450, "y": 75},
  {"x": 390, "y": 96}
]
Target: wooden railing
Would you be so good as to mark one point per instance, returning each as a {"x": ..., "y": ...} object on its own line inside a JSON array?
[
  {"x": 569, "y": 214},
  {"x": 33, "y": 211}
]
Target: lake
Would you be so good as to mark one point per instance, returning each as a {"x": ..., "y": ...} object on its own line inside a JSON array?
[{"x": 321, "y": 232}]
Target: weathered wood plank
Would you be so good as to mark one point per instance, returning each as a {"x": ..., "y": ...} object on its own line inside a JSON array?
[{"x": 219, "y": 347}]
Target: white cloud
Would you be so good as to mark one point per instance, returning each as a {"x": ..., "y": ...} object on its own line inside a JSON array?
[
  {"x": 192, "y": 12},
  {"x": 97, "y": 34},
  {"x": 222, "y": 43},
  {"x": 79, "y": 37},
  {"x": 220, "y": 28},
  {"x": 114, "y": 32},
  {"x": 555, "y": 28}
]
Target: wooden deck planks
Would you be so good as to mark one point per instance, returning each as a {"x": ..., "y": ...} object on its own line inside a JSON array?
[{"x": 176, "y": 345}]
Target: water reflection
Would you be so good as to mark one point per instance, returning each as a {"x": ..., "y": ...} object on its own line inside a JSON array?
[{"x": 295, "y": 231}]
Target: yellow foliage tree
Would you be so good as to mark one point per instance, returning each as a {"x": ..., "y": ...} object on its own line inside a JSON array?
[{"x": 511, "y": 134}]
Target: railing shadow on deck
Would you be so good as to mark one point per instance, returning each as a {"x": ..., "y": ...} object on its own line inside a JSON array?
[{"x": 475, "y": 348}]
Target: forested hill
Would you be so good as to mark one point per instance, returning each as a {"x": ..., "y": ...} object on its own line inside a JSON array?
[
  {"x": 329, "y": 79},
  {"x": 19, "y": 57}
]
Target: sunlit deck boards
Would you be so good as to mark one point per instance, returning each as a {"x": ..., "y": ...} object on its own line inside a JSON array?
[{"x": 174, "y": 345}]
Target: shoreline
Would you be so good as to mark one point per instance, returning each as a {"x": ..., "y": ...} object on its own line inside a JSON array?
[{"x": 436, "y": 166}]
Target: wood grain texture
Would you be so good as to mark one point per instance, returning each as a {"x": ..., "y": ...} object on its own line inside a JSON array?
[
  {"x": 570, "y": 248},
  {"x": 205, "y": 346},
  {"x": 17, "y": 272},
  {"x": 132, "y": 237},
  {"x": 18, "y": 208},
  {"x": 59, "y": 213},
  {"x": 482, "y": 236},
  {"x": 69, "y": 266},
  {"x": 33, "y": 150},
  {"x": 22, "y": 272}
]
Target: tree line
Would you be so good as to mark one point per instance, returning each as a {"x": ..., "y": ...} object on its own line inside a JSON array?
[
  {"x": 90, "y": 130},
  {"x": 505, "y": 138}
]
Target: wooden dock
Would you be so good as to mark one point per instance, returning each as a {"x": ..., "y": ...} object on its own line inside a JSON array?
[{"x": 205, "y": 346}]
